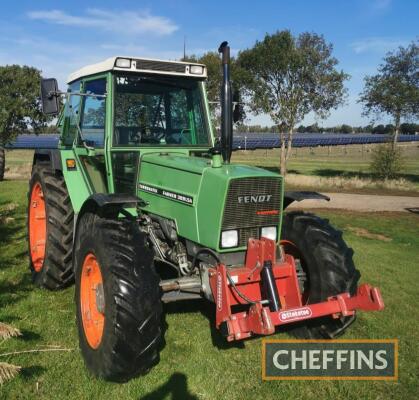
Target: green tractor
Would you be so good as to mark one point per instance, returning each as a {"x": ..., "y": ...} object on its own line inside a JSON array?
[{"x": 139, "y": 206}]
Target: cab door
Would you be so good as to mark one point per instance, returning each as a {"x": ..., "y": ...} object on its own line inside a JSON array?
[{"x": 90, "y": 149}]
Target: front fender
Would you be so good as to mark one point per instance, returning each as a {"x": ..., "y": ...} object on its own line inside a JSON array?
[
  {"x": 110, "y": 205},
  {"x": 290, "y": 197}
]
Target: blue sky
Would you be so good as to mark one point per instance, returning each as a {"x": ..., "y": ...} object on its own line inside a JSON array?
[{"x": 59, "y": 37}]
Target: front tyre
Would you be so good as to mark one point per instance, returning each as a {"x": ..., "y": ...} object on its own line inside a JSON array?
[
  {"x": 119, "y": 310},
  {"x": 326, "y": 269}
]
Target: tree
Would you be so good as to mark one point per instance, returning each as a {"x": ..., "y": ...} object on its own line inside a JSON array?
[
  {"x": 386, "y": 161},
  {"x": 20, "y": 106},
  {"x": 389, "y": 129},
  {"x": 409, "y": 129},
  {"x": 289, "y": 77},
  {"x": 395, "y": 89},
  {"x": 379, "y": 129},
  {"x": 345, "y": 128},
  {"x": 301, "y": 129}
]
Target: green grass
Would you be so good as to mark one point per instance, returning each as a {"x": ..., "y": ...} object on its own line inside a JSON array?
[{"x": 196, "y": 362}]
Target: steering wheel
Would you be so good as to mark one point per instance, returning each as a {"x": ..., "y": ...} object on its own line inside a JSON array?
[
  {"x": 183, "y": 138},
  {"x": 157, "y": 134}
]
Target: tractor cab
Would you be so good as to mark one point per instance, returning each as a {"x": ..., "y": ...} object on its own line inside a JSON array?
[
  {"x": 123, "y": 108},
  {"x": 152, "y": 104}
]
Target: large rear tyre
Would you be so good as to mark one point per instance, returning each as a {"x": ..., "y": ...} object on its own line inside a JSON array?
[
  {"x": 326, "y": 266},
  {"x": 50, "y": 229},
  {"x": 119, "y": 309}
]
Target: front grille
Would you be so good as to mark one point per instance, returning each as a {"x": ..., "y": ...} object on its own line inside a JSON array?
[
  {"x": 160, "y": 66},
  {"x": 246, "y": 233},
  {"x": 244, "y": 215}
]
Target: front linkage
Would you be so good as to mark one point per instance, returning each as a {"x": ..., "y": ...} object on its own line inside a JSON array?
[{"x": 271, "y": 288}]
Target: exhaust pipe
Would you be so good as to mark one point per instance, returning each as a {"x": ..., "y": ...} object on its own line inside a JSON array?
[{"x": 226, "y": 105}]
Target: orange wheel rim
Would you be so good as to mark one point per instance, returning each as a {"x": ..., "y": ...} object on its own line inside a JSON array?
[
  {"x": 37, "y": 227},
  {"x": 92, "y": 301}
]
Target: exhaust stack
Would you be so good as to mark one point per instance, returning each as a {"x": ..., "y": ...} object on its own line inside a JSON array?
[{"x": 226, "y": 105}]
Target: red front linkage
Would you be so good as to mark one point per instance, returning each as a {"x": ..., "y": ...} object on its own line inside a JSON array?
[{"x": 238, "y": 285}]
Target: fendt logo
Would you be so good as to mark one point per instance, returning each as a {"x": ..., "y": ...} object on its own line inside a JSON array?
[{"x": 259, "y": 198}]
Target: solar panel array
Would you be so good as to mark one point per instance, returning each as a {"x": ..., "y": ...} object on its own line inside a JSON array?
[
  {"x": 35, "y": 142},
  {"x": 248, "y": 141},
  {"x": 270, "y": 141}
]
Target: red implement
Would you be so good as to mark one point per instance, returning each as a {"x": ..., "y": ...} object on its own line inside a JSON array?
[{"x": 245, "y": 285}]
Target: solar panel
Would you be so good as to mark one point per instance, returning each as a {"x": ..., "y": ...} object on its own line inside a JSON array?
[{"x": 243, "y": 141}]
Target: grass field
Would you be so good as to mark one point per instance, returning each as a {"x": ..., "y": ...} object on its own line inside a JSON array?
[
  {"x": 338, "y": 168},
  {"x": 196, "y": 363}
]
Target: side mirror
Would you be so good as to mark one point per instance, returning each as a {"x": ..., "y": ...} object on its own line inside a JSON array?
[
  {"x": 50, "y": 96},
  {"x": 237, "y": 113},
  {"x": 238, "y": 109}
]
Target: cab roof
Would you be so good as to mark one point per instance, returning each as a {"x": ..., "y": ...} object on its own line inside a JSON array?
[{"x": 148, "y": 65}]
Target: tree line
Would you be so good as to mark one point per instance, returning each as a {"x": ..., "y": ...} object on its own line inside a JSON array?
[{"x": 388, "y": 129}]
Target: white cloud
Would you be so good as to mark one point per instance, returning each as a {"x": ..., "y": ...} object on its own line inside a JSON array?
[
  {"x": 125, "y": 22},
  {"x": 377, "y": 45}
]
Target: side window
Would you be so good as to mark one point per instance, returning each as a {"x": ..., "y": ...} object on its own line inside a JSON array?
[
  {"x": 94, "y": 110},
  {"x": 71, "y": 115}
]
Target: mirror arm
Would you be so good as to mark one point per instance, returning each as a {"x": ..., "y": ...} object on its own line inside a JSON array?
[{"x": 80, "y": 134}]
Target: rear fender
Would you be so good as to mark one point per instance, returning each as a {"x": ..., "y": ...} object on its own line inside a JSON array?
[{"x": 52, "y": 157}]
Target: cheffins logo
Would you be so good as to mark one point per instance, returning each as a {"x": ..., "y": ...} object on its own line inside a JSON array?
[{"x": 329, "y": 359}]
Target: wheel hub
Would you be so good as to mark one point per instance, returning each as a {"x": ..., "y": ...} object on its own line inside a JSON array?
[{"x": 100, "y": 298}]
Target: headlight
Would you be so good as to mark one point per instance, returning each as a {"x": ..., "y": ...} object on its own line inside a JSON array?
[
  {"x": 229, "y": 239},
  {"x": 123, "y": 63},
  {"x": 196, "y": 69},
  {"x": 269, "y": 232}
]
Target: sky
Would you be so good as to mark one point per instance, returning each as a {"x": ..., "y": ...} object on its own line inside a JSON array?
[{"x": 59, "y": 37}]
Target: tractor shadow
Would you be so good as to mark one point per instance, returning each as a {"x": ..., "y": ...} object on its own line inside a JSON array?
[
  {"x": 176, "y": 386},
  {"x": 207, "y": 309}
]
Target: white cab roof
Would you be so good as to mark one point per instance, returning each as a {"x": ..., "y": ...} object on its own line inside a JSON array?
[{"x": 148, "y": 65}]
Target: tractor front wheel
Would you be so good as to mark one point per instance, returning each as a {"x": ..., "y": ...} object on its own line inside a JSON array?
[
  {"x": 119, "y": 310},
  {"x": 324, "y": 266}
]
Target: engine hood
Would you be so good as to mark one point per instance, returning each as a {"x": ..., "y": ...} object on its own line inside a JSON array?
[
  {"x": 198, "y": 165},
  {"x": 194, "y": 194}
]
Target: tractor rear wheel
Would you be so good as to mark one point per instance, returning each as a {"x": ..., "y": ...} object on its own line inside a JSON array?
[
  {"x": 119, "y": 309},
  {"x": 326, "y": 269},
  {"x": 50, "y": 229}
]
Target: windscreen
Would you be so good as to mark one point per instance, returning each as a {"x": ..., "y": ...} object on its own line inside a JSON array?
[{"x": 159, "y": 111}]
